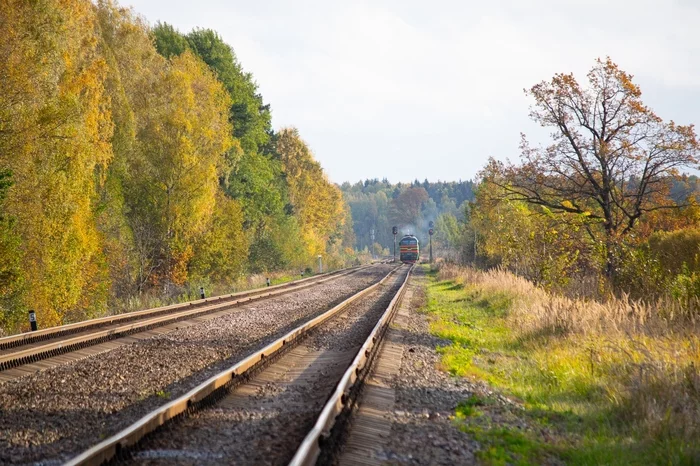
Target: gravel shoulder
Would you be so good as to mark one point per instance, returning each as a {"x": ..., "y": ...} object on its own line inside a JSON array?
[{"x": 52, "y": 415}]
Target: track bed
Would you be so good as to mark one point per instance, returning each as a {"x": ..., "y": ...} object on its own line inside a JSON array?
[
  {"x": 265, "y": 420},
  {"x": 34, "y": 351},
  {"x": 56, "y": 413}
]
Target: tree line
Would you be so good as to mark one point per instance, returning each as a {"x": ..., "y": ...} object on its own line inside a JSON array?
[
  {"x": 138, "y": 159},
  {"x": 376, "y": 206}
]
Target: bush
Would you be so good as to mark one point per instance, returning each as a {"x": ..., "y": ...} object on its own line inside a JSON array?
[
  {"x": 677, "y": 251},
  {"x": 686, "y": 285}
]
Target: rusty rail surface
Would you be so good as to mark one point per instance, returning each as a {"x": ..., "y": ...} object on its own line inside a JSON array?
[
  {"x": 341, "y": 403},
  {"x": 210, "y": 390},
  {"x": 139, "y": 321}
]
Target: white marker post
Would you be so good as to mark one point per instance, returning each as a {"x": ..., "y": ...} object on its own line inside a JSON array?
[{"x": 32, "y": 321}]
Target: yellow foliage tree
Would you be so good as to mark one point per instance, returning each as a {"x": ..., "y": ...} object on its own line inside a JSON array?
[
  {"x": 221, "y": 252},
  {"x": 181, "y": 142},
  {"x": 171, "y": 134},
  {"x": 527, "y": 239},
  {"x": 131, "y": 244},
  {"x": 318, "y": 204},
  {"x": 55, "y": 128}
]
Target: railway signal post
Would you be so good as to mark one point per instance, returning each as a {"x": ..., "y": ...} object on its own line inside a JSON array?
[
  {"x": 430, "y": 232},
  {"x": 394, "y": 230}
]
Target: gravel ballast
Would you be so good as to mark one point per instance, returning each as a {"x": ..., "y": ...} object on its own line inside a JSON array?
[
  {"x": 52, "y": 415},
  {"x": 264, "y": 421}
]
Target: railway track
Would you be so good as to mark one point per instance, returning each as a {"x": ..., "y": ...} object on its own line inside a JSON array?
[
  {"x": 276, "y": 405},
  {"x": 50, "y": 416},
  {"x": 30, "y": 352}
]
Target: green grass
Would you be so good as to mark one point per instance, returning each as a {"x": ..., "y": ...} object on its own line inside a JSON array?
[
  {"x": 567, "y": 387},
  {"x": 163, "y": 394},
  {"x": 504, "y": 445}
]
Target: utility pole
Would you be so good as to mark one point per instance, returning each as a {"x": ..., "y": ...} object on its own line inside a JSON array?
[
  {"x": 430, "y": 232},
  {"x": 371, "y": 235},
  {"x": 394, "y": 230}
]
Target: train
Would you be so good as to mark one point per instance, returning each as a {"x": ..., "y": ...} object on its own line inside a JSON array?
[{"x": 409, "y": 249}]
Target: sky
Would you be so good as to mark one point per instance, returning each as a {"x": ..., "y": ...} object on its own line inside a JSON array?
[{"x": 407, "y": 89}]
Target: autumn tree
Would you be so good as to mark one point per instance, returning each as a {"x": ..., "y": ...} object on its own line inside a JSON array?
[
  {"x": 544, "y": 247},
  {"x": 55, "y": 128},
  {"x": 182, "y": 142},
  {"x": 254, "y": 176},
  {"x": 220, "y": 252},
  {"x": 133, "y": 245},
  {"x": 406, "y": 207},
  {"x": 173, "y": 142},
  {"x": 133, "y": 65},
  {"x": 317, "y": 203},
  {"x": 612, "y": 159},
  {"x": 10, "y": 262}
]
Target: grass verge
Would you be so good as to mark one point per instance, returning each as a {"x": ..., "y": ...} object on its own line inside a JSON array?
[{"x": 601, "y": 394}]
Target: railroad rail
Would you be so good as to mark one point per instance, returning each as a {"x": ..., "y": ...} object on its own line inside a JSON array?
[
  {"x": 323, "y": 440},
  {"x": 226, "y": 382},
  {"x": 27, "y": 348}
]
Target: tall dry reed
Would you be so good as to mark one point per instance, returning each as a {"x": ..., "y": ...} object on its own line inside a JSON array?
[
  {"x": 646, "y": 354},
  {"x": 534, "y": 309}
]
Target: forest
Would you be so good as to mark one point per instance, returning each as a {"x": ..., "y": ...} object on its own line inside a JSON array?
[
  {"x": 379, "y": 205},
  {"x": 137, "y": 161}
]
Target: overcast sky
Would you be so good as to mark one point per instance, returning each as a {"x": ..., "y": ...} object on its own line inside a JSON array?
[{"x": 409, "y": 89}]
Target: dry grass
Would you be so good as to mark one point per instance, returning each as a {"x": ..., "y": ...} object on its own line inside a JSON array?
[
  {"x": 642, "y": 357},
  {"x": 537, "y": 310},
  {"x": 172, "y": 295}
]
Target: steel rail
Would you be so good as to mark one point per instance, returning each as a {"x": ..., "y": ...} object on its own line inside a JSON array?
[
  {"x": 153, "y": 318},
  {"x": 211, "y": 389},
  {"x": 343, "y": 398},
  {"x": 53, "y": 332}
]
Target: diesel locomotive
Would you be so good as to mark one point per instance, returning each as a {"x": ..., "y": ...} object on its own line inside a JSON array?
[{"x": 408, "y": 249}]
